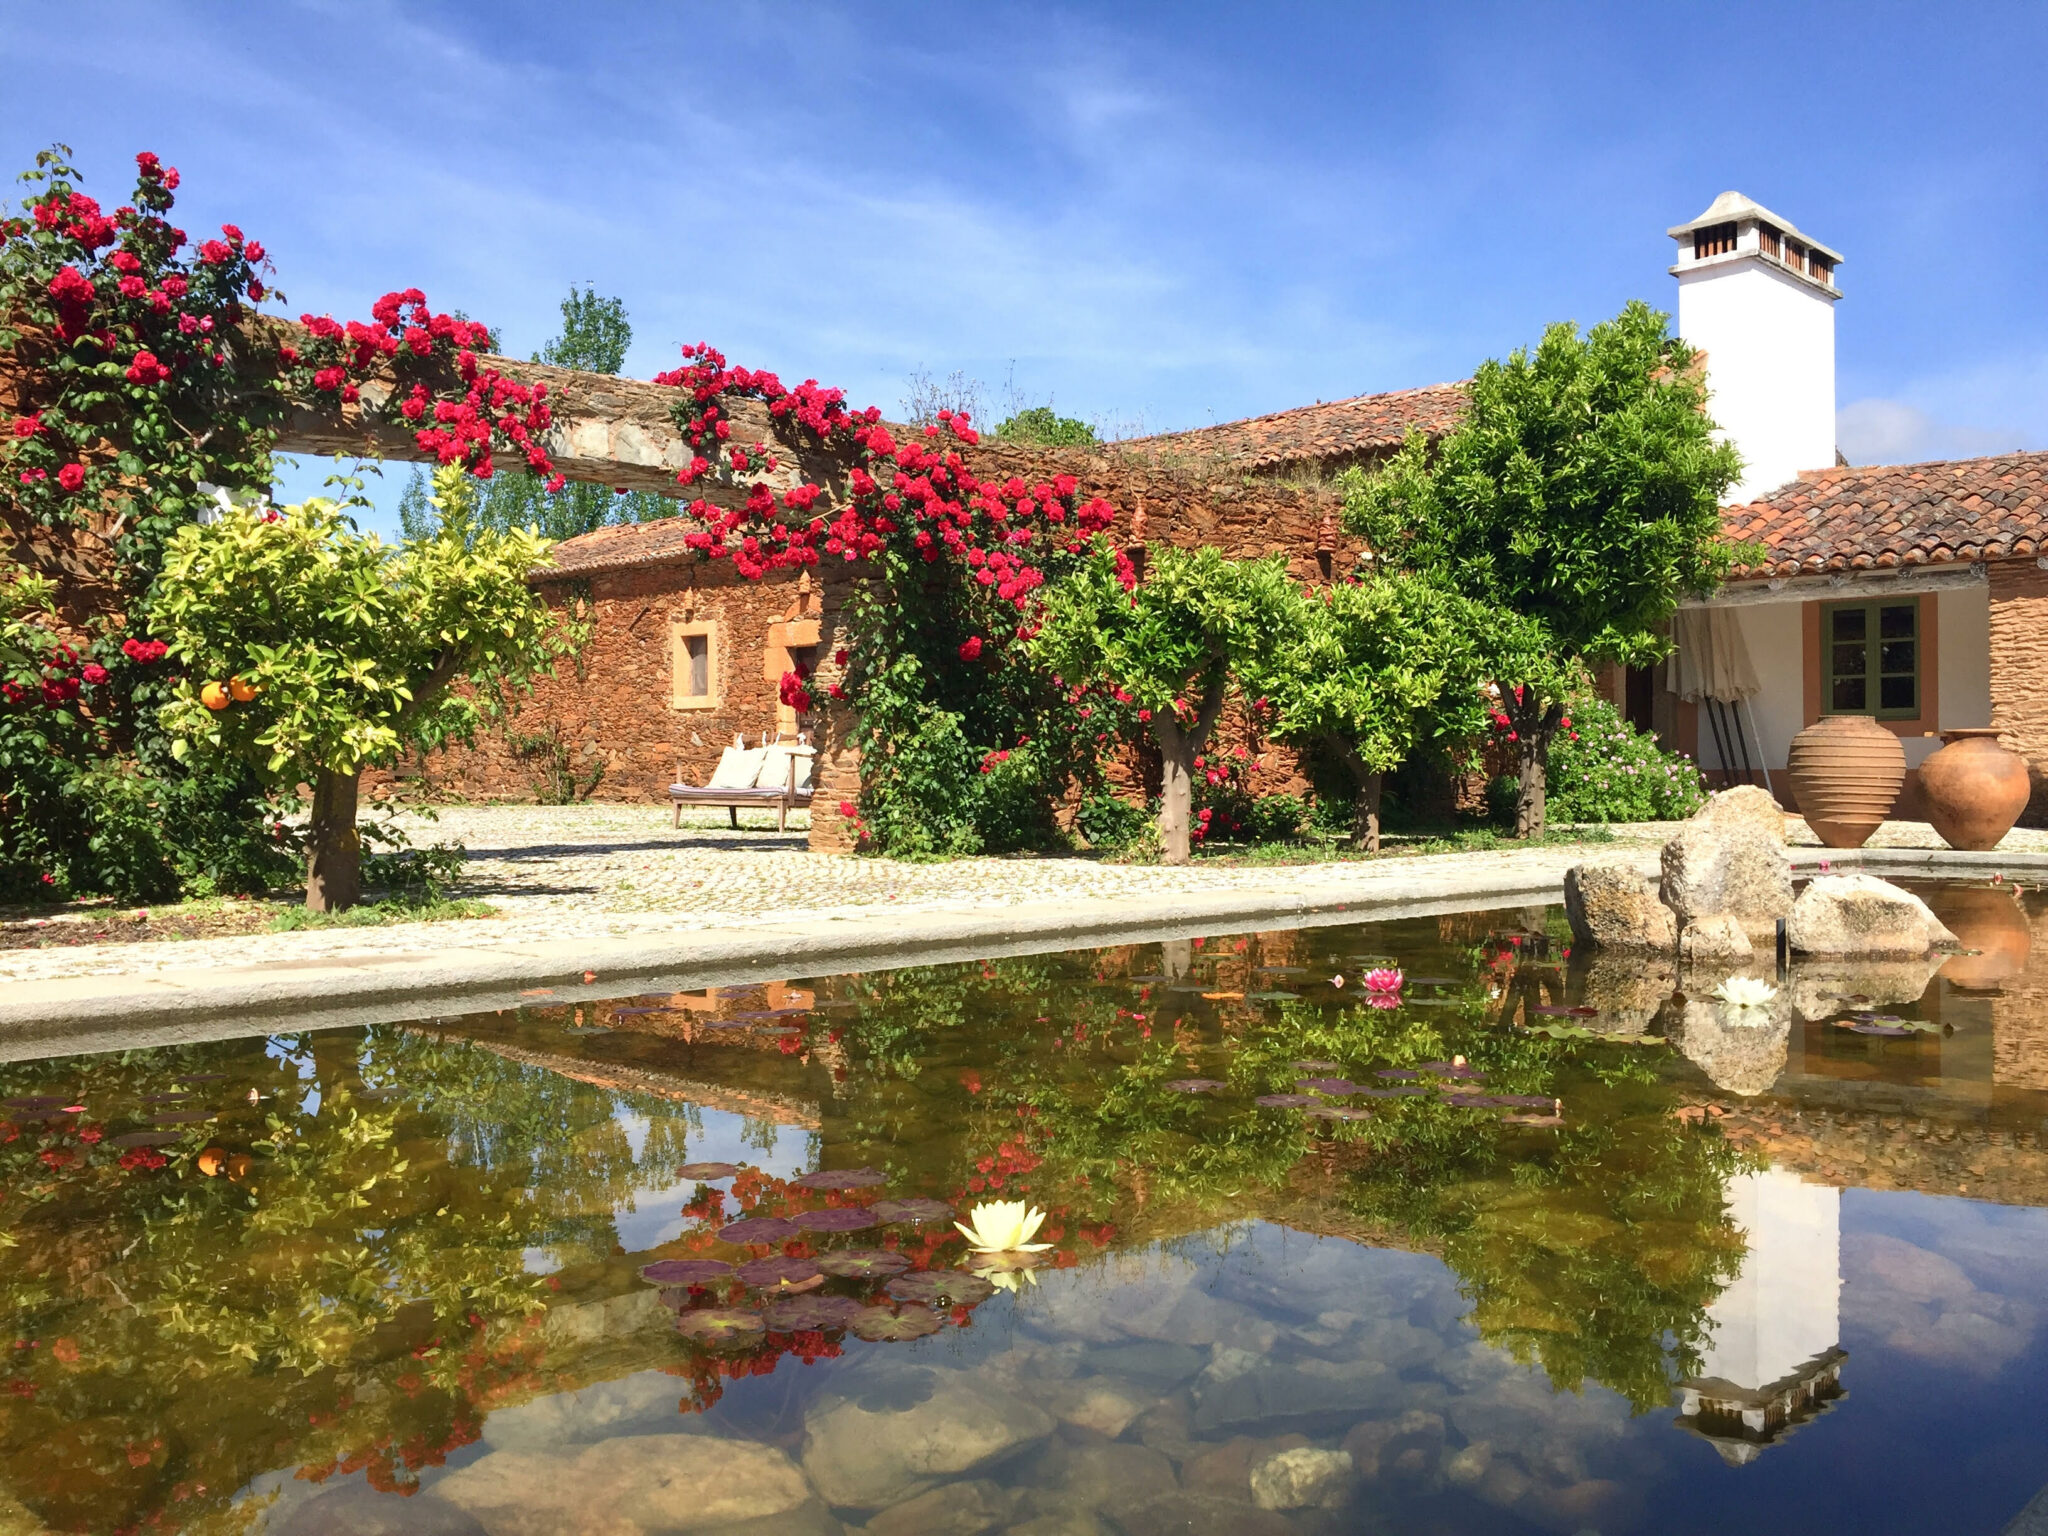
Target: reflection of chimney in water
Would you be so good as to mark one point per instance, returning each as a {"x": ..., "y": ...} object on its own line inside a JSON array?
[{"x": 1775, "y": 1360}]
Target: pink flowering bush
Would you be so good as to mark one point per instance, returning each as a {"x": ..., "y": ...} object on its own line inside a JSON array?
[{"x": 1604, "y": 769}]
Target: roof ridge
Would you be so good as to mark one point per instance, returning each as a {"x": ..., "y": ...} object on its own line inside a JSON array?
[{"x": 1297, "y": 410}]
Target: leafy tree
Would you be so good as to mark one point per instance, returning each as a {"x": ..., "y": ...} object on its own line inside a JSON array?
[
  {"x": 1039, "y": 427},
  {"x": 1376, "y": 669},
  {"x": 595, "y": 336},
  {"x": 313, "y": 651},
  {"x": 1169, "y": 645},
  {"x": 1582, "y": 490}
]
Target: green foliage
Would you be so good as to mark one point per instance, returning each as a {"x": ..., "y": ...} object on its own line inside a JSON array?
[
  {"x": 1582, "y": 489},
  {"x": 1604, "y": 769},
  {"x": 552, "y": 763},
  {"x": 351, "y": 646},
  {"x": 1040, "y": 427},
  {"x": 595, "y": 336},
  {"x": 1276, "y": 818},
  {"x": 1196, "y": 621},
  {"x": 1111, "y": 823},
  {"x": 1380, "y": 667},
  {"x": 377, "y": 914}
]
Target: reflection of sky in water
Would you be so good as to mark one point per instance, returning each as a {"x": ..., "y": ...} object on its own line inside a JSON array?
[{"x": 653, "y": 1214}]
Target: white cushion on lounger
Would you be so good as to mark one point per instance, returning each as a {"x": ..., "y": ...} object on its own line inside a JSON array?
[
  {"x": 737, "y": 768},
  {"x": 775, "y": 768}
]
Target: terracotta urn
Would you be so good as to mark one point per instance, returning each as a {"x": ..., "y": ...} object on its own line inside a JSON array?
[
  {"x": 1975, "y": 789},
  {"x": 1847, "y": 771}
]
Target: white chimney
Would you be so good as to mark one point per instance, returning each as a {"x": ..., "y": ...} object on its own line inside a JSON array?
[{"x": 1758, "y": 297}]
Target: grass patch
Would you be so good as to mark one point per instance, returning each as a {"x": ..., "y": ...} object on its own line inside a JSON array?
[
  {"x": 1399, "y": 845},
  {"x": 378, "y": 914}
]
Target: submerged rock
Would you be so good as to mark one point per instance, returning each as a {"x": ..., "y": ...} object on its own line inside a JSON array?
[
  {"x": 1406, "y": 1447},
  {"x": 1715, "y": 939},
  {"x": 1612, "y": 906},
  {"x": 1311, "y": 1389},
  {"x": 884, "y": 1447},
  {"x": 1109, "y": 1478},
  {"x": 1741, "y": 1051},
  {"x": 645, "y": 1401},
  {"x": 1628, "y": 990},
  {"x": 1305, "y": 1478},
  {"x": 624, "y": 1486},
  {"x": 357, "y": 1510},
  {"x": 1194, "y": 1514},
  {"x": 1820, "y": 989},
  {"x": 1862, "y": 915},
  {"x": 952, "y": 1509}
]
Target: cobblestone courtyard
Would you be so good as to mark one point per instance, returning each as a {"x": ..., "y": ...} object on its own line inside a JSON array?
[{"x": 599, "y": 871}]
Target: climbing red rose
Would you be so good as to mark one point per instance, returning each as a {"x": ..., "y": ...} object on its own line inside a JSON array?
[{"x": 71, "y": 476}]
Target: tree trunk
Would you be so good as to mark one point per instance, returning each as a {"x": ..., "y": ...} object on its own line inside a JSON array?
[
  {"x": 1365, "y": 816},
  {"x": 334, "y": 853},
  {"x": 1535, "y": 723},
  {"x": 1176, "y": 787},
  {"x": 1178, "y": 750}
]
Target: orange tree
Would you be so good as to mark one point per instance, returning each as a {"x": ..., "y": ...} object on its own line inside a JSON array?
[
  {"x": 137, "y": 395},
  {"x": 312, "y": 651},
  {"x": 1582, "y": 490},
  {"x": 1169, "y": 645}
]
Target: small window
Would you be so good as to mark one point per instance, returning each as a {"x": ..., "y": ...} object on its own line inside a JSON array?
[
  {"x": 693, "y": 660},
  {"x": 1872, "y": 659},
  {"x": 1714, "y": 240}
]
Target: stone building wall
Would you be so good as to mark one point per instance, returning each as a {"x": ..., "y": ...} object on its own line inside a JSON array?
[{"x": 2019, "y": 663}]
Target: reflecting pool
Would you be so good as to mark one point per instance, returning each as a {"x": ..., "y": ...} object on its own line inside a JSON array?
[{"x": 1507, "y": 1242}]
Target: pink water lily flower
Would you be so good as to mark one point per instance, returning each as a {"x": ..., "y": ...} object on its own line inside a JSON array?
[{"x": 1383, "y": 979}]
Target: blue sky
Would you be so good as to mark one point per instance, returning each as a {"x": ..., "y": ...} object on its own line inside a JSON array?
[{"x": 1156, "y": 216}]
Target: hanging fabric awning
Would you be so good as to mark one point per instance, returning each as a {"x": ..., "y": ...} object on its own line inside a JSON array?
[{"x": 1712, "y": 661}]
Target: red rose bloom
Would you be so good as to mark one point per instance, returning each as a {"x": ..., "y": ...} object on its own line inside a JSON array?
[{"x": 71, "y": 476}]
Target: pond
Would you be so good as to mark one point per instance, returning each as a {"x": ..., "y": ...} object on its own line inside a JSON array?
[{"x": 1520, "y": 1244}]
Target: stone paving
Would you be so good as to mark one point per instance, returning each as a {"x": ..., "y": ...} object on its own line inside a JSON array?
[{"x": 598, "y": 871}]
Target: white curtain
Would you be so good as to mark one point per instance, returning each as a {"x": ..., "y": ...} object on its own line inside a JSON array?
[{"x": 1711, "y": 661}]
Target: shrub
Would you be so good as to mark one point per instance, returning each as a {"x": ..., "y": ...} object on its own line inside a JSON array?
[
  {"x": 1276, "y": 818},
  {"x": 1604, "y": 769},
  {"x": 1112, "y": 823}
]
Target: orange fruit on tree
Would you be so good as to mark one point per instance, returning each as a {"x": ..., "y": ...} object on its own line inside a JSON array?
[
  {"x": 213, "y": 696},
  {"x": 241, "y": 690},
  {"x": 211, "y": 1161}
]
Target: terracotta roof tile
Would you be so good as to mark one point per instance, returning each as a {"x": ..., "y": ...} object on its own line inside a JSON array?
[
  {"x": 1898, "y": 514},
  {"x": 629, "y": 544},
  {"x": 1339, "y": 430}
]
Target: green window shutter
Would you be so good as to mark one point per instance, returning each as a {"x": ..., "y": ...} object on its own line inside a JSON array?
[{"x": 1870, "y": 659}]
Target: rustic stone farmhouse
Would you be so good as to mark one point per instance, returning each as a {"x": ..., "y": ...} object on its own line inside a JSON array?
[{"x": 1917, "y": 594}]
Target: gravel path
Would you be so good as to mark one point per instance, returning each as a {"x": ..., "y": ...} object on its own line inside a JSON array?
[{"x": 595, "y": 871}]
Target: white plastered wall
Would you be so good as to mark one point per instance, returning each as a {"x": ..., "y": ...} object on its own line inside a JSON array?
[
  {"x": 1776, "y": 642},
  {"x": 1770, "y": 344},
  {"x": 1964, "y": 619}
]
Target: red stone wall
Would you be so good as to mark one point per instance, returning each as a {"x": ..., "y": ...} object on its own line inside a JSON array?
[
  {"x": 613, "y": 703},
  {"x": 2019, "y": 663}
]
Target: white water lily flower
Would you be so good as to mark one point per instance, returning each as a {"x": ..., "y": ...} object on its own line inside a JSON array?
[
  {"x": 1003, "y": 1226},
  {"x": 1745, "y": 992},
  {"x": 1010, "y": 1279}
]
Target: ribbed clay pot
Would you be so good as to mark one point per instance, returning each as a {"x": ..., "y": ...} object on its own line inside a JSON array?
[
  {"x": 1847, "y": 771},
  {"x": 1975, "y": 789}
]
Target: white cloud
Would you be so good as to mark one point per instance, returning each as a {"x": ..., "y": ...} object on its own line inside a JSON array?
[{"x": 1997, "y": 407}]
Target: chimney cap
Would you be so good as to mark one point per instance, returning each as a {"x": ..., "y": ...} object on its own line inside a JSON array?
[{"x": 1734, "y": 208}]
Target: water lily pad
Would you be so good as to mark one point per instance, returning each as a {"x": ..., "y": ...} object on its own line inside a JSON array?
[
  {"x": 846, "y": 1219},
  {"x": 1431, "y": 981},
  {"x": 35, "y": 1103},
  {"x": 840, "y": 1178},
  {"x": 1004, "y": 1263},
  {"x": 1391, "y": 1093},
  {"x": 1449, "y": 1069},
  {"x": 720, "y": 1325},
  {"x": 685, "y": 1271},
  {"x": 944, "y": 1288},
  {"x": 914, "y": 1208},
  {"x": 1318, "y": 1066},
  {"x": 1338, "y": 1112},
  {"x": 1528, "y": 1100},
  {"x": 1557, "y": 1011},
  {"x": 175, "y": 1096},
  {"x": 757, "y": 1229},
  {"x": 1336, "y": 1087},
  {"x": 145, "y": 1139},
  {"x": 879, "y": 1325},
  {"x": 181, "y": 1117},
  {"x": 1145, "y": 981},
  {"x": 1887, "y": 1031},
  {"x": 1285, "y": 1101},
  {"x": 1478, "y": 1100},
  {"x": 1532, "y": 1119},
  {"x": 779, "y": 1273},
  {"x": 1433, "y": 1002},
  {"x": 860, "y": 1263},
  {"x": 1400, "y": 1073},
  {"x": 1279, "y": 970},
  {"x": 797, "y": 1314},
  {"x": 706, "y": 1171},
  {"x": 1270, "y": 997},
  {"x": 1193, "y": 1084},
  {"x": 836, "y": 1311}
]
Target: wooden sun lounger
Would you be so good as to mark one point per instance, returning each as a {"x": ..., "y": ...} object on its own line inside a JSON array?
[{"x": 780, "y": 798}]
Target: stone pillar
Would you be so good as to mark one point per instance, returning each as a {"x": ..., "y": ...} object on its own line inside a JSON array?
[
  {"x": 835, "y": 776},
  {"x": 2019, "y": 661}
]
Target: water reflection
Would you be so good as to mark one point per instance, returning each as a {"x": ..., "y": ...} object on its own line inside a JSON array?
[{"x": 1480, "y": 1231}]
